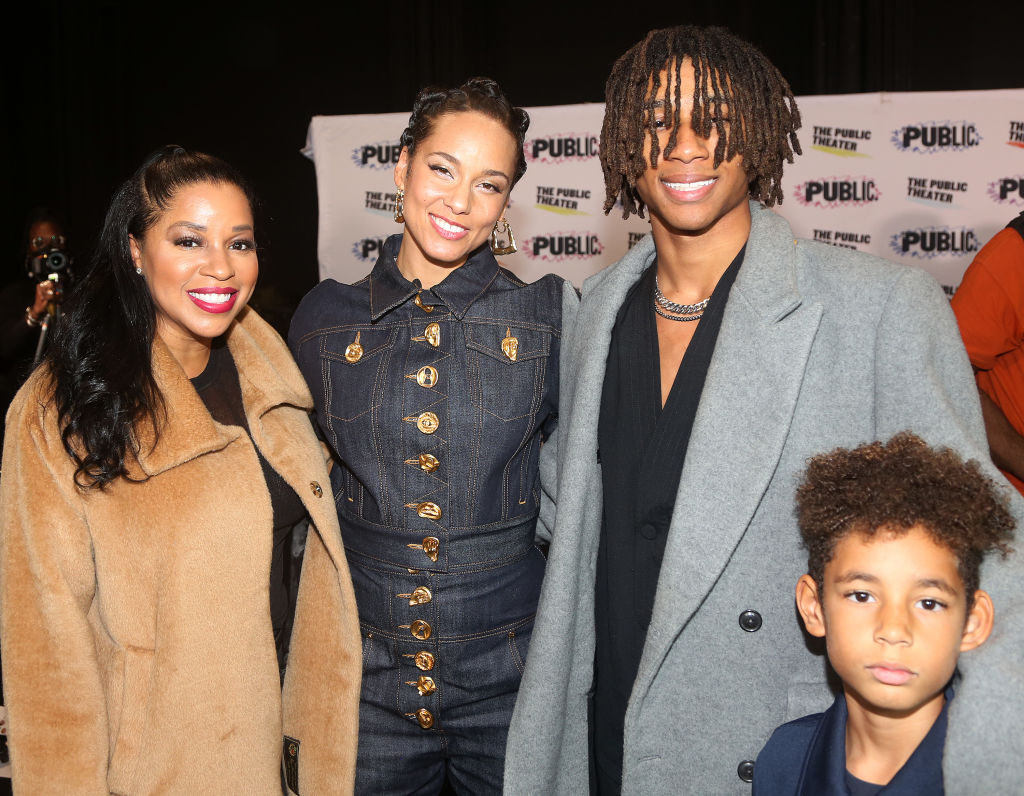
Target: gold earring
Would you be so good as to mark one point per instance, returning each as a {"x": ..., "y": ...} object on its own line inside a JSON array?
[
  {"x": 503, "y": 242},
  {"x": 400, "y": 206}
]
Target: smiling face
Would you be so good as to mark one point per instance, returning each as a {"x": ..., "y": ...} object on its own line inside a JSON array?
[
  {"x": 200, "y": 265},
  {"x": 895, "y": 618},
  {"x": 685, "y": 194},
  {"x": 456, "y": 184}
]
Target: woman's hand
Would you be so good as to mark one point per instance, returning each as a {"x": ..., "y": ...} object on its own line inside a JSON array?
[{"x": 44, "y": 295}]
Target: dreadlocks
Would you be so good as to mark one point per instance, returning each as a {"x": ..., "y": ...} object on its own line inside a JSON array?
[{"x": 728, "y": 72}]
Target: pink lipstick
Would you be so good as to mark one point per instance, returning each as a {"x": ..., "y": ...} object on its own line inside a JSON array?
[{"x": 214, "y": 299}]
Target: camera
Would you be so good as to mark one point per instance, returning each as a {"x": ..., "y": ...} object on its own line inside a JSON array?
[
  {"x": 53, "y": 264},
  {"x": 45, "y": 264}
]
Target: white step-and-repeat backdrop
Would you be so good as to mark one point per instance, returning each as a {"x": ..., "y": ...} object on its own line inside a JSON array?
[{"x": 919, "y": 178}]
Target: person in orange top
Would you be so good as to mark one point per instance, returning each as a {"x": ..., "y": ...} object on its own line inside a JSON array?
[{"x": 989, "y": 307}]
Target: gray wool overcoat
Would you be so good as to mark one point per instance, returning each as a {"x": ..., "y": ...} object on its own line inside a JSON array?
[{"x": 820, "y": 347}]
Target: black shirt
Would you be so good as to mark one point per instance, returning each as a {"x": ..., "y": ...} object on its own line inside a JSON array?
[
  {"x": 642, "y": 448},
  {"x": 220, "y": 390}
]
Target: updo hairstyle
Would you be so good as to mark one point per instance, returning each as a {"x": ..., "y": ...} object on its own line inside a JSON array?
[{"x": 479, "y": 94}]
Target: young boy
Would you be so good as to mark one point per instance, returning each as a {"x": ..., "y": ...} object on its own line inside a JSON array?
[{"x": 896, "y": 533}]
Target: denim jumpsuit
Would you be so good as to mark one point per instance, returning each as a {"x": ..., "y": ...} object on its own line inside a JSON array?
[{"x": 435, "y": 403}]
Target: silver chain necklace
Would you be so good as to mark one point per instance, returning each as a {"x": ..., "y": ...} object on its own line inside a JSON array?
[{"x": 677, "y": 312}]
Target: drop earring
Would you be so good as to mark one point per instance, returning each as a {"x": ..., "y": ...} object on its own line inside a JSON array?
[
  {"x": 400, "y": 206},
  {"x": 503, "y": 241}
]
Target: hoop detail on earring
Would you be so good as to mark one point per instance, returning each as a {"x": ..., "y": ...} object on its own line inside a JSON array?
[
  {"x": 502, "y": 241},
  {"x": 400, "y": 206}
]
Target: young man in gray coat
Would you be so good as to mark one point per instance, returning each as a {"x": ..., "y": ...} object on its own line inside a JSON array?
[{"x": 703, "y": 371}]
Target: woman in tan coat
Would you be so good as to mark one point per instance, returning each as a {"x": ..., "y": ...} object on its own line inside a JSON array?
[{"x": 149, "y": 467}]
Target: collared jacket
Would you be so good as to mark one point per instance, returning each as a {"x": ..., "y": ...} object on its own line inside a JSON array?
[
  {"x": 435, "y": 402},
  {"x": 807, "y": 757},
  {"x": 820, "y": 347},
  {"x": 138, "y": 650}
]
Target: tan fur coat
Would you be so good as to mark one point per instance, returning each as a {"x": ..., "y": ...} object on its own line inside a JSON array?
[{"x": 138, "y": 654}]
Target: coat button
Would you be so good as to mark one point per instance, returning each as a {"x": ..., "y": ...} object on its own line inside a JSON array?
[
  {"x": 648, "y": 531},
  {"x": 315, "y": 489},
  {"x": 745, "y": 770},
  {"x": 750, "y": 621}
]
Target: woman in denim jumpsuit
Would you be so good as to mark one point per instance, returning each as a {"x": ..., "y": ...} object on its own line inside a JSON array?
[{"x": 436, "y": 380}]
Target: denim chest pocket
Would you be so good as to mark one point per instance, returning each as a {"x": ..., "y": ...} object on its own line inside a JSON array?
[
  {"x": 507, "y": 366},
  {"x": 356, "y": 365}
]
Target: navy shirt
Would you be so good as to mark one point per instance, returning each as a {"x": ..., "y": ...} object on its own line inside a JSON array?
[{"x": 807, "y": 757}]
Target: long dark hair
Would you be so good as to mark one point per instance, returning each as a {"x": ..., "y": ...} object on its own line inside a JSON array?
[
  {"x": 729, "y": 70},
  {"x": 100, "y": 360}
]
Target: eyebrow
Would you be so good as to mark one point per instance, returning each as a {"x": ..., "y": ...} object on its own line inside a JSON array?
[
  {"x": 926, "y": 583},
  {"x": 457, "y": 162},
  {"x": 660, "y": 103},
  {"x": 201, "y": 228}
]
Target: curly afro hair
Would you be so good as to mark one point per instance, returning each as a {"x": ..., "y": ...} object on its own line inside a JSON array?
[{"x": 894, "y": 486}]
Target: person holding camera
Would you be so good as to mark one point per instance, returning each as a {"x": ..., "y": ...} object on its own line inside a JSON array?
[{"x": 26, "y": 303}]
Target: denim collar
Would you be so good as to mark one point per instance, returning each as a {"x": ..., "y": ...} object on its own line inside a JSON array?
[{"x": 457, "y": 291}]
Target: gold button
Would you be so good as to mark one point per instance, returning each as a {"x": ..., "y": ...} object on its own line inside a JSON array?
[
  {"x": 420, "y": 595},
  {"x": 426, "y": 462},
  {"x": 424, "y": 660},
  {"x": 424, "y": 717},
  {"x": 418, "y": 301},
  {"x": 431, "y": 545},
  {"x": 354, "y": 351},
  {"x": 315, "y": 488},
  {"x": 426, "y": 376},
  {"x": 293, "y": 749},
  {"x": 510, "y": 345},
  {"x": 427, "y": 510},
  {"x": 420, "y": 629},
  {"x": 427, "y": 422},
  {"x": 425, "y": 685},
  {"x": 433, "y": 334}
]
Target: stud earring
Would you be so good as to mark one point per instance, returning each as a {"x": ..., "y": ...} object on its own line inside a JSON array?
[
  {"x": 138, "y": 270},
  {"x": 400, "y": 206},
  {"x": 503, "y": 241}
]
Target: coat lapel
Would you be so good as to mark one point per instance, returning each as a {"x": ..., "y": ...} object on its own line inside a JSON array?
[
  {"x": 603, "y": 295},
  {"x": 739, "y": 431}
]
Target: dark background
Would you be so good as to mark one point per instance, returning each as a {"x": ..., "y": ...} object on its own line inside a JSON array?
[{"x": 89, "y": 88}]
